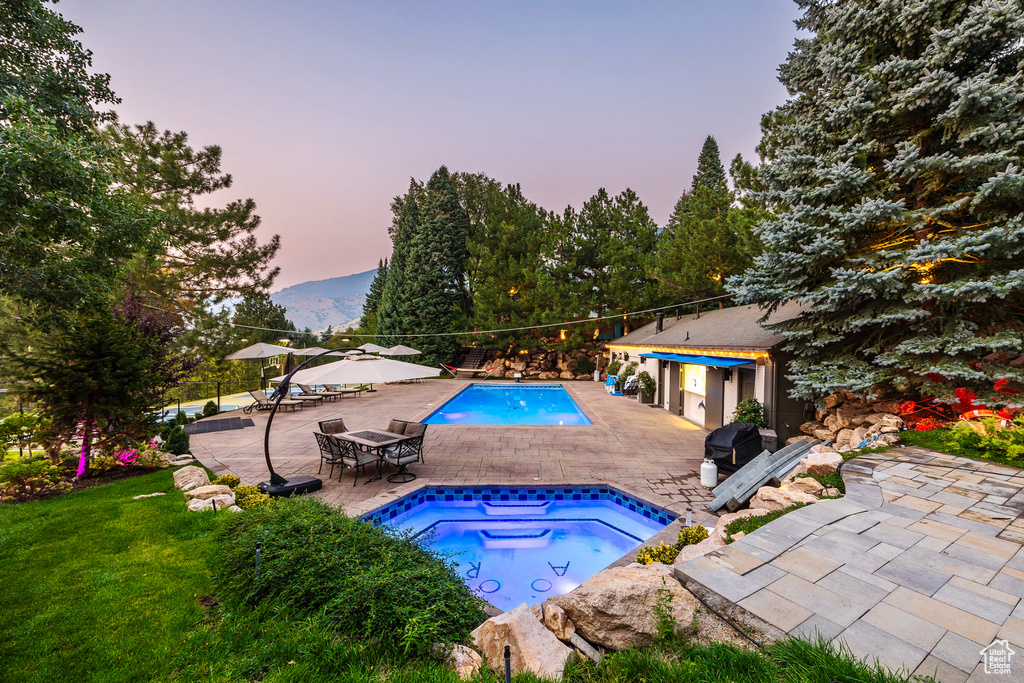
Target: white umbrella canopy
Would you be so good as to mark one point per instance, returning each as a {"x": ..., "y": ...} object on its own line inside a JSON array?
[
  {"x": 314, "y": 350},
  {"x": 372, "y": 348},
  {"x": 401, "y": 350},
  {"x": 259, "y": 350},
  {"x": 363, "y": 370}
]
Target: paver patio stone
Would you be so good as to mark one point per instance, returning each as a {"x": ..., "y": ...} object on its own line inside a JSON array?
[
  {"x": 973, "y": 602},
  {"x": 914, "y": 630},
  {"x": 805, "y": 563},
  {"x": 886, "y": 551},
  {"x": 961, "y": 652},
  {"x": 1007, "y": 582},
  {"x": 941, "y": 671},
  {"x": 987, "y": 591},
  {"x": 816, "y": 627},
  {"x": 858, "y": 592},
  {"x": 775, "y": 609},
  {"x": 836, "y": 607},
  {"x": 901, "y": 538},
  {"x": 1013, "y": 631},
  {"x": 871, "y": 643},
  {"x": 939, "y": 613}
]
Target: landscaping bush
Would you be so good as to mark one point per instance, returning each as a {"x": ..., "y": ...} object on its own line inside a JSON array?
[
  {"x": 750, "y": 410},
  {"x": 210, "y": 409},
  {"x": 382, "y": 588},
  {"x": 228, "y": 480},
  {"x": 984, "y": 439},
  {"x": 26, "y": 479},
  {"x": 748, "y": 524},
  {"x": 666, "y": 554},
  {"x": 628, "y": 370},
  {"x": 614, "y": 366},
  {"x": 647, "y": 385},
  {"x": 247, "y": 497},
  {"x": 176, "y": 442},
  {"x": 585, "y": 367},
  {"x": 692, "y": 534}
]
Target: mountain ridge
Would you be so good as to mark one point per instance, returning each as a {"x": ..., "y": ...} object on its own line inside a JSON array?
[{"x": 336, "y": 302}]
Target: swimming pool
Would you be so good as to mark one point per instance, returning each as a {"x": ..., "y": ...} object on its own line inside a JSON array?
[
  {"x": 510, "y": 404},
  {"x": 516, "y": 545}
]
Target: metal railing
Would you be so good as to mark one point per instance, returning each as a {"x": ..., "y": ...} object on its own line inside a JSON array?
[{"x": 188, "y": 392}]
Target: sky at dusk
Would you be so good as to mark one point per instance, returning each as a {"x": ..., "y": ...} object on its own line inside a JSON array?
[{"x": 324, "y": 110}]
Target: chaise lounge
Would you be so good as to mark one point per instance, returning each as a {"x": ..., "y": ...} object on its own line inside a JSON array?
[{"x": 262, "y": 402}]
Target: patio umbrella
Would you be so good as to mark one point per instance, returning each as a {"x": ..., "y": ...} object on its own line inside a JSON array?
[
  {"x": 353, "y": 352},
  {"x": 259, "y": 350},
  {"x": 372, "y": 348},
  {"x": 314, "y": 350},
  {"x": 401, "y": 350},
  {"x": 363, "y": 370}
]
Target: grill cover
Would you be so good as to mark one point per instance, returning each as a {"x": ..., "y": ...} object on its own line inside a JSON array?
[{"x": 733, "y": 445}]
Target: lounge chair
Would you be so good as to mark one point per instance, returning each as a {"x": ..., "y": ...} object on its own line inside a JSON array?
[
  {"x": 263, "y": 403},
  {"x": 342, "y": 391},
  {"x": 406, "y": 451},
  {"x": 313, "y": 397},
  {"x": 329, "y": 395}
]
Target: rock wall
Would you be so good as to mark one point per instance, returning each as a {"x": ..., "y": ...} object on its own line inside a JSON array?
[
  {"x": 542, "y": 363},
  {"x": 847, "y": 421}
]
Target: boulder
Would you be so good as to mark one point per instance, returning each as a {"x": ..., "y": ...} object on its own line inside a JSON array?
[
  {"x": 820, "y": 414},
  {"x": 805, "y": 485},
  {"x": 833, "y": 423},
  {"x": 465, "y": 661},
  {"x": 892, "y": 421},
  {"x": 548, "y": 375},
  {"x": 188, "y": 478},
  {"x": 234, "y": 508},
  {"x": 149, "y": 495},
  {"x": 843, "y": 438},
  {"x": 771, "y": 498},
  {"x": 821, "y": 448},
  {"x": 558, "y": 623},
  {"x": 739, "y": 534},
  {"x": 809, "y": 427},
  {"x": 567, "y": 375},
  {"x": 223, "y": 502},
  {"x": 793, "y": 439},
  {"x": 584, "y": 378},
  {"x": 835, "y": 399},
  {"x": 824, "y": 434},
  {"x": 533, "y": 647},
  {"x": 537, "y": 612},
  {"x": 852, "y": 417},
  {"x": 616, "y": 607},
  {"x": 821, "y": 464},
  {"x": 209, "y": 491}
]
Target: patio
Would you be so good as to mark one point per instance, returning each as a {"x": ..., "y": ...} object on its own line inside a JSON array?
[{"x": 647, "y": 451}]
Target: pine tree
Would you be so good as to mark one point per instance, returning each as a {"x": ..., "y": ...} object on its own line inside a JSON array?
[
  {"x": 368, "y": 321},
  {"x": 706, "y": 239},
  {"x": 896, "y": 166}
]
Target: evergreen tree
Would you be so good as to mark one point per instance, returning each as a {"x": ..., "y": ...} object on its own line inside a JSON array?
[
  {"x": 897, "y": 166},
  {"x": 368, "y": 321},
  {"x": 706, "y": 239},
  {"x": 394, "y": 310}
]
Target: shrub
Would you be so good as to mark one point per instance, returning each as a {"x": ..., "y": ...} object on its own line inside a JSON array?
[
  {"x": 750, "y": 410},
  {"x": 692, "y": 534},
  {"x": 628, "y": 370},
  {"x": 585, "y": 367},
  {"x": 614, "y": 366},
  {"x": 247, "y": 497},
  {"x": 666, "y": 554},
  {"x": 986, "y": 438},
  {"x": 647, "y": 385},
  {"x": 26, "y": 479},
  {"x": 228, "y": 480},
  {"x": 748, "y": 524},
  {"x": 210, "y": 409},
  {"x": 176, "y": 442},
  {"x": 374, "y": 585}
]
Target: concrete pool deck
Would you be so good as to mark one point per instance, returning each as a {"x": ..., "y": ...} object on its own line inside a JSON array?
[{"x": 643, "y": 450}]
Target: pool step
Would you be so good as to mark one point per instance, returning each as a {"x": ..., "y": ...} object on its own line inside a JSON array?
[
  {"x": 516, "y": 508},
  {"x": 522, "y": 538}
]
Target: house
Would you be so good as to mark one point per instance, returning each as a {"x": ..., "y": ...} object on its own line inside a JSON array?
[{"x": 705, "y": 363}]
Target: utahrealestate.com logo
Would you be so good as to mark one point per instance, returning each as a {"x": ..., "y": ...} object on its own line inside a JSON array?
[{"x": 997, "y": 657}]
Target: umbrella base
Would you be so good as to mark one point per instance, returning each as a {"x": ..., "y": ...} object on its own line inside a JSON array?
[{"x": 296, "y": 486}]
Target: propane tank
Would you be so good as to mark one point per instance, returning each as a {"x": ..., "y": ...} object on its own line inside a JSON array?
[{"x": 709, "y": 474}]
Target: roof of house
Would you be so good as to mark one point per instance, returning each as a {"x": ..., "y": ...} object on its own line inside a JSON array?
[{"x": 734, "y": 328}]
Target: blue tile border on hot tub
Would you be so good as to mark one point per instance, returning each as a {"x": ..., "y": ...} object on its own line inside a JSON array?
[{"x": 428, "y": 494}]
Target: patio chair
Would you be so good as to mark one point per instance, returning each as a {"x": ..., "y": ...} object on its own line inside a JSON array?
[
  {"x": 263, "y": 403},
  {"x": 632, "y": 386},
  {"x": 330, "y": 453},
  {"x": 347, "y": 454},
  {"x": 329, "y": 395},
  {"x": 406, "y": 451},
  {"x": 333, "y": 426}
]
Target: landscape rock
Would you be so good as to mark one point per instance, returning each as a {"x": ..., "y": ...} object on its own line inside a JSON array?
[
  {"x": 223, "y": 502},
  {"x": 149, "y": 495},
  {"x": 771, "y": 498},
  {"x": 538, "y": 612},
  {"x": 809, "y": 428},
  {"x": 464, "y": 660},
  {"x": 805, "y": 485},
  {"x": 615, "y": 608},
  {"x": 558, "y": 623},
  {"x": 793, "y": 439},
  {"x": 188, "y": 478},
  {"x": 824, "y": 434},
  {"x": 842, "y": 439},
  {"x": 208, "y": 491},
  {"x": 234, "y": 508},
  {"x": 859, "y": 434},
  {"x": 738, "y": 535},
  {"x": 835, "y": 399},
  {"x": 533, "y": 647},
  {"x": 821, "y": 464},
  {"x": 821, "y": 448}
]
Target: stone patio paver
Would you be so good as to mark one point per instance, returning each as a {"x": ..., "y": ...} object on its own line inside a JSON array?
[{"x": 921, "y": 567}]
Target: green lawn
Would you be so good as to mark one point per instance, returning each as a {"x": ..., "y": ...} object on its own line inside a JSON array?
[{"x": 100, "y": 587}]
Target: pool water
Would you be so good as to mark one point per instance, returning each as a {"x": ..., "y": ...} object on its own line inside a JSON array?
[
  {"x": 510, "y": 404},
  {"x": 515, "y": 551}
]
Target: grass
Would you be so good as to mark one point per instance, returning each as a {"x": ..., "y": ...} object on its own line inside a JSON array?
[
  {"x": 748, "y": 524},
  {"x": 100, "y": 587}
]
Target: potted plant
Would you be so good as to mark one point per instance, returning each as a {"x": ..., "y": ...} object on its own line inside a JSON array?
[{"x": 647, "y": 387}]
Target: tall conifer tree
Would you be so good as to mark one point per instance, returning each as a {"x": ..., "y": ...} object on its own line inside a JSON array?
[{"x": 897, "y": 163}]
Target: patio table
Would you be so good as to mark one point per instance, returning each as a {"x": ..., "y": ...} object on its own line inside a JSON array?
[{"x": 375, "y": 441}]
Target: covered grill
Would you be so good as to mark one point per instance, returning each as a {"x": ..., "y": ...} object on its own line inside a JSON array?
[{"x": 733, "y": 446}]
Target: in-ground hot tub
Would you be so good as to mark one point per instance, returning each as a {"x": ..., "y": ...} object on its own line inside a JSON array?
[{"x": 515, "y": 545}]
